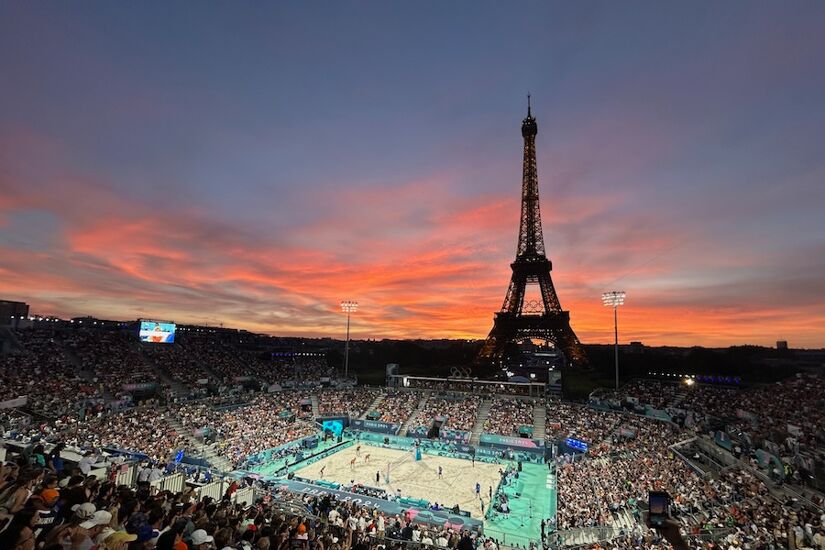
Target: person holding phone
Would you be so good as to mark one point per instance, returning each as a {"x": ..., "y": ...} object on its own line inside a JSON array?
[
  {"x": 658, "y": 506},
  {"x": 658, "y": 518}
]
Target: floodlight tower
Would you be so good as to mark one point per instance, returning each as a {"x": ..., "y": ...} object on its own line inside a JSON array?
[
  {"x": 614, "y": 299},
  {"x": 349, "y": 307}
]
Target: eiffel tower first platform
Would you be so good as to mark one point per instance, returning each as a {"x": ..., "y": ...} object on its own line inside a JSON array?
[{"x": 542, "y": 318}]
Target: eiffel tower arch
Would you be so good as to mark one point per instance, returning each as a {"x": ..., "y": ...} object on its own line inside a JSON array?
[{"x": 538, "y": 316}]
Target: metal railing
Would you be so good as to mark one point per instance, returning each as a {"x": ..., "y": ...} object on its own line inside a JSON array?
[
  {"x": 126, "y": 474},
  {"x": 173, "y": 483},
  {"x": 213, "y": 490},
  {"x": 508, "y": 539},
  {"x": 245, "y": 496},
  {"x": 584, "y": 536}
]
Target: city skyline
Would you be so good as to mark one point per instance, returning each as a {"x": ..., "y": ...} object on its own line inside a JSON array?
[{"x": 255, "y": 165}]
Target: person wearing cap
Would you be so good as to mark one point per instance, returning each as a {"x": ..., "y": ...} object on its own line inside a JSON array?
[
  {"x": 118, "y": 539},
  {"x": 200, "y": 540},
  {"x": 71, "y": 531},
  {"x": 145, "y": 533},
  {"x": 93, "y": 527},
  {"x": 84, "y": 511}
]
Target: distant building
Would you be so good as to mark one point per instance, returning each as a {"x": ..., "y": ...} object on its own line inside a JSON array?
[
  {"x": 12, "y": 311},
  {"x": 635, "y": 347},
  {"x": 782, "y": 345}
]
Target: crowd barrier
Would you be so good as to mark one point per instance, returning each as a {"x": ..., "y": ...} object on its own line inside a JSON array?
[
  {"x": 126, "y": 474},
  {"x": 213, "y": 490},
  {"x": 266, "y": 456},
  {"x": 584, "y": 536},
  {"x": 508, "y": 539},
  {"x": 244, "y": 496},
  {"x": 173, "y": 483},
  {"x": 312, "y": 459}
]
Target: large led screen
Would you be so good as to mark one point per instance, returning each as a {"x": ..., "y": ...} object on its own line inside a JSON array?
[{"x": 157, "y": 332}]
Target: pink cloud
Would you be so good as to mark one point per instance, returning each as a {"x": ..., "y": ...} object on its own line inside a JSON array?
[{"x": 422, "y": 260}]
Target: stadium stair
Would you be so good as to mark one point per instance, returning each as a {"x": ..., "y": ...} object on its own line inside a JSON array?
[
  {"x": 83, "y": 373},
  {"x": 316, "y": 410},
  {"x": 421, "y": 404},
  {"x": 625, "y": 521},
  {"x": 177, "y": 386},
  {"x": 483, "y": 413},
  {"x": 373, "y": 406},
  {"x": 539, "y": 419},
  {"x": 678, "y": 398},
  {"x": 207, "y": 452},
  {"x": 86, "y": 374}
]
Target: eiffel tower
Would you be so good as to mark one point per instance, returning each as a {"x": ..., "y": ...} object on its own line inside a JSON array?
[{"x": 543, "y": 318}]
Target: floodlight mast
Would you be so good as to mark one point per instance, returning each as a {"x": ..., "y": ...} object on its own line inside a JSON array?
[
  {"x": 349, "y": 307},
  {"x": 614, "y": 299}
]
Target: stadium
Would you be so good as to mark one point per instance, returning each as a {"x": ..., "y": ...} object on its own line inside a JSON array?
[
  {"x": 219, "y": 421},
  {"x": 196, "y": 197}
]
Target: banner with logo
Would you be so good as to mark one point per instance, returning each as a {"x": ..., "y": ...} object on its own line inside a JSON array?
[
  {"x": 523, "y": 444},
  {"x": 375, "y": 426}
]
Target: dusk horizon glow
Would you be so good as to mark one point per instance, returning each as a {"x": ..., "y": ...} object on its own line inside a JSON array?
[{"x": 256, "y": 165}]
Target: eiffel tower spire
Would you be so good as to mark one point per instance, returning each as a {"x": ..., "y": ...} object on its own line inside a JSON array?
[
  {"x": 521, "y": 319},
  {"x": 530, "y": 238}
]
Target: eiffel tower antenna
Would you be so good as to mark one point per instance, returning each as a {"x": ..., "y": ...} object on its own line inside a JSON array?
[{"x": 541, "y": 319}]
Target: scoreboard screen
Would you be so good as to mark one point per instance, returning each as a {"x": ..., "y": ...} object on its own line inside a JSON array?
[{"x": 157, "y": 332}]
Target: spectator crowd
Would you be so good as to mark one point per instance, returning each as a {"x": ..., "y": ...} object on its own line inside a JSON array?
[
  {"x": 508, "y": 415},
  {"x": 83, "y": 391}
]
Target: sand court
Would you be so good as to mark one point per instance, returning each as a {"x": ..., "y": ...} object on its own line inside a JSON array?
[{"x": 416, "y": 479}]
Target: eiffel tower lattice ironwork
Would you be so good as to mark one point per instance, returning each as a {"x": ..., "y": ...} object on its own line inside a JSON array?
[{"x": 522, "y": 318}]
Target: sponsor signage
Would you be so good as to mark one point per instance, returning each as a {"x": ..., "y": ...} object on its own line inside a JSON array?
[{"x": 376, "y": 426}]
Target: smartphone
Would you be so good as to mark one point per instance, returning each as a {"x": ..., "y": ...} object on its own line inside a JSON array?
[{"x": 658, "y": 505}]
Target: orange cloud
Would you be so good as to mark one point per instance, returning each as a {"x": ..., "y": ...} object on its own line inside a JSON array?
[{"x": 422, "y": 260}]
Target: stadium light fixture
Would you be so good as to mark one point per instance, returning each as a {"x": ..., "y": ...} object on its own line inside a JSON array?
[
  {"x": 614, "y": 299},
  {"x": 349, "y": 307}
]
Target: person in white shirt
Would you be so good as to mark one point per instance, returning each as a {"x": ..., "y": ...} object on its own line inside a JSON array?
[
  {"x": 85, "y": 463},
  {"x": 144, "y": 473},
  {"x": 156, "y": 474}
]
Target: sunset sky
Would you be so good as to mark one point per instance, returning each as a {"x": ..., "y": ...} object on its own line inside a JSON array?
[{"x": 253, "y": 164}]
